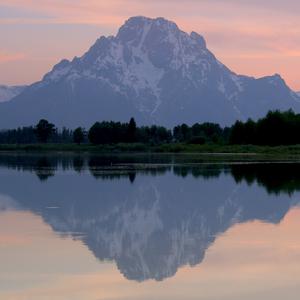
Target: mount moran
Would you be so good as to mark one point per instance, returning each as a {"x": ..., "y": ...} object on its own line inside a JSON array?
[{"x": 152, "y": 71}]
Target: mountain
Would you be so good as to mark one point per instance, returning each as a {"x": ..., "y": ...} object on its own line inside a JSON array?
[
  {"x": 9, "y": 92},
  {"x": 150, "y": 70}
]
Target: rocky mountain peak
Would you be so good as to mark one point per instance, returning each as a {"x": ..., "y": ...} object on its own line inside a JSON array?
[
  {"x": 136, "y": 26},
  {"x": 199, "y": 39},
  {"x": 155, "y": 72}
]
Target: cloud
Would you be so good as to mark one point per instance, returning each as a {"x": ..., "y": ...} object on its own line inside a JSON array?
[{"x": 9, "y": 57}]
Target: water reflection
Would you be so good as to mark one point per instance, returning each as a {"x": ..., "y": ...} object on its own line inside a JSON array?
[
  {"x": 150, "y": 218},
  {"x": 275, "y": 177}
]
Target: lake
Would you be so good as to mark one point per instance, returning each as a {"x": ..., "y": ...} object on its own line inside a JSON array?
[{"x": 148, "y": 227}]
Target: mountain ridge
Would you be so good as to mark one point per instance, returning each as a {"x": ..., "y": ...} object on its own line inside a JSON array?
[
  {"x": 152, "y": 71},
  {"x": 9, "y": 92}
]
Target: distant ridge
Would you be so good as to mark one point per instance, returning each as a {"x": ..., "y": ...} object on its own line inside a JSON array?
[
  {"x": 152, "y": 71},
  {"x": 9, "y": 92}
]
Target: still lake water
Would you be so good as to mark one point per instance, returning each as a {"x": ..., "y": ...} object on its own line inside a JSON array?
[{"x": 148, "y": 227}]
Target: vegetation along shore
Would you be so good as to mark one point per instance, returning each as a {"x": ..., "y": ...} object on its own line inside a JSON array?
[{"x": 276, "y": 133}]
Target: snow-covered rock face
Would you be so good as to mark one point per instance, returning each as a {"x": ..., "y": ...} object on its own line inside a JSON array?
[
  {"x": 153, "y": 71},
  {"x": 135, "y": 62},
  {"x": 9, "y": 92}
]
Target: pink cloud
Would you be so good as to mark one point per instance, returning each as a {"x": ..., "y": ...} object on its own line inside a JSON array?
[{"x": 8, "y": 57}]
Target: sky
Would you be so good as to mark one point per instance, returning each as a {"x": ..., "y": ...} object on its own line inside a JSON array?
[{"x": 257, "y": 37}]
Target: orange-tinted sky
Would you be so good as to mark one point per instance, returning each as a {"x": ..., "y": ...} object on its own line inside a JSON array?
[{"x": 257, "y": 37}]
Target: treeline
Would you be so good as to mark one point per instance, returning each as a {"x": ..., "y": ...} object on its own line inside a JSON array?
[
  {"x": 116, "y": 132},
  {"x": 33, "y": 135},
  {"x": 276, "y": 128}
]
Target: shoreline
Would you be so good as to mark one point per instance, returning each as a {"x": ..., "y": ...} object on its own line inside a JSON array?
[{"x": 207, "y": 149}]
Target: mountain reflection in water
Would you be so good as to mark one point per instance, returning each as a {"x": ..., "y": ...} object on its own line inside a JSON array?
[{"x": 151, "y": 215}]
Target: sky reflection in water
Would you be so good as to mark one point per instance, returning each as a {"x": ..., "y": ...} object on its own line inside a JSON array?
[{"x": 160, "y": 227}]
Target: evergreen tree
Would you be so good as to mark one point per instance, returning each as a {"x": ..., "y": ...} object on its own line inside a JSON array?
[
  {"x": 78, "y": 136},
  {"x": 44, "y": 130},
  {"x": 131, "y": 131}
]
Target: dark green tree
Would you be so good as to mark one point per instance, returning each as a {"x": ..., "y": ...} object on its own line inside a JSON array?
[
  {"x": 249, "y": 132},
  {"x": 237, "y": 133},
  {"x": 131, "y": 131},
  {"x": 44, "y": 130},
  {"x": 94, "y": 134},
  {"x": 78, "y": 136},
  {"x": 186, "y": 132}
]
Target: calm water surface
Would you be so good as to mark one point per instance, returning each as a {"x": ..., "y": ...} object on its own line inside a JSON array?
[{"x": 148, "y": 227}]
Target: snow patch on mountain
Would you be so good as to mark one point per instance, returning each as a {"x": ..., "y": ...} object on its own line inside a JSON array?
[{"x": 9, "y": 92}]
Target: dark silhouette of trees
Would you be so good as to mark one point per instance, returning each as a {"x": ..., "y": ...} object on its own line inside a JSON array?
[
  {"x": 27, "y": 135},
  {"x": 131, "y": 131},
  {"x": 199, "y": 133},
  {"x": 182, "y": 133},
  {"x": 24, "y": 135},
  {"x": 108, "y": 133},
  {"x": 78, "y": 136},
  {"x": 276, "y": 128},
  {"x": 237, "y": 133},
  {"x": 95, "y": 133},
  {"x": 154, "y": 135},
  {"x": 63, "y": 136},
  {"x": 116, "y": 132},
  {"x": 44, "y": 130}
]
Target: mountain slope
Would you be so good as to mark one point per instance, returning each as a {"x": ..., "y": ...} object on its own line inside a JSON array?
[
  {"x": 150, "y": 70},
  {"x": 9, "y": 92}
]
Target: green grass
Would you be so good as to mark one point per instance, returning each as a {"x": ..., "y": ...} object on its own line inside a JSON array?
[
  {"x": 75, "y": 148},
  {"x": 164, "y": 148}
]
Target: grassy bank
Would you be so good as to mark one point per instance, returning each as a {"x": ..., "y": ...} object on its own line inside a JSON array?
[{"x": 164, "y": 148}]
